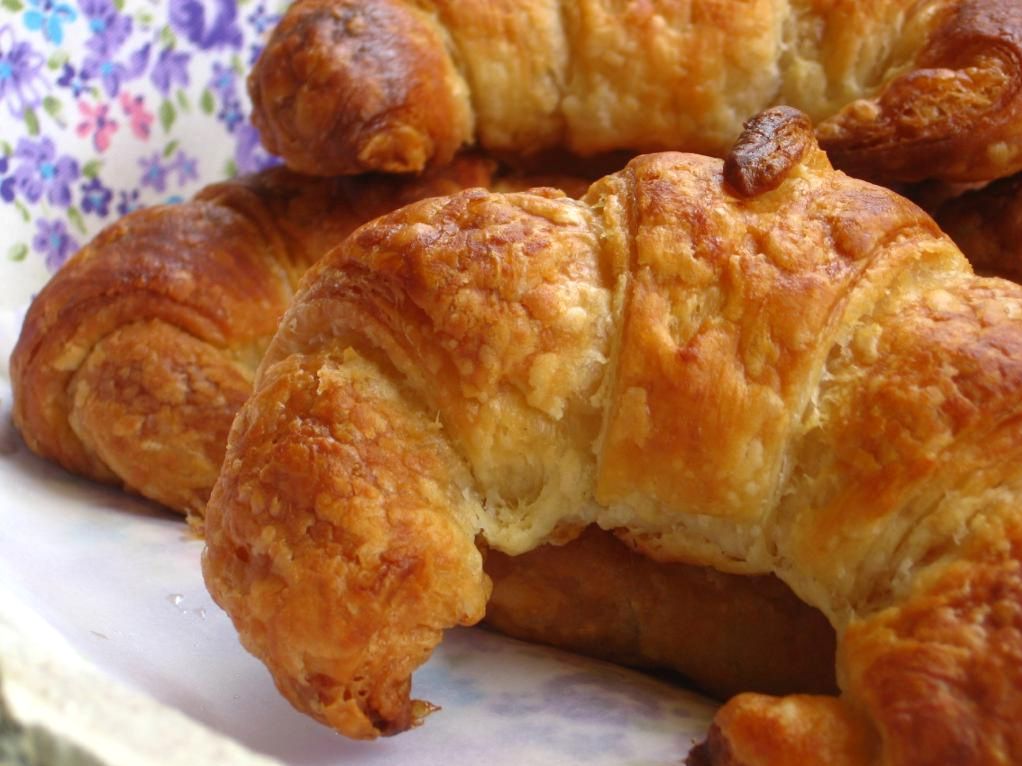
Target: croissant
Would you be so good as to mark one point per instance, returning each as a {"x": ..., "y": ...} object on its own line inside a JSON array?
[
  {"x": 986, "y": 224},
  {"x": 760, "y": 364},
  {"x": 900, "y": 89},
  {"x": 136, "y": 355}
]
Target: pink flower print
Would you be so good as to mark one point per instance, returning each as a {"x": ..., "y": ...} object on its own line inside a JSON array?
[
  {"x": 97, "y": 123},
  {"x": 135, "y": 111}
]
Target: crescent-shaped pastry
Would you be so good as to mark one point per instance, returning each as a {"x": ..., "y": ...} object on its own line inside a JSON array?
[
  {"x": 759, "y": 365},
  {"x": 901, "y": 90},
  {"x": 135, "y": 358}
]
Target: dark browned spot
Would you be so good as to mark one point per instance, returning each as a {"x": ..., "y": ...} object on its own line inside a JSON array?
[{"x": 771, "y": 144}]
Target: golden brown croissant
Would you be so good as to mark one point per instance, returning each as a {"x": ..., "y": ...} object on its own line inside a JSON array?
[
  {"x": 760, "y": 365},
  {"x": 136, "y": 355},
  {"x": 900, "y": 89},
  {"x": 113, "y": 380}
]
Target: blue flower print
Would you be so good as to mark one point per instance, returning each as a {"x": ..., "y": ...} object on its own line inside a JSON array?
[
  {"x": 230, "y": 113},
  {"x": 154, "y": 174},
  {"x": 128, "y": 201},
  {"x": 49, "y": 16},
  {"x": 53, "y": 242},
  {"x": 96, "y": 198},
  {"x": 222, "y": 81},
  {"x": 113, "y": 74},
  {"x": 109, "y": 28},
  {"x": 261, "y": 20},
  {"x": 73, "y": 80},
  {"x": 170, "y": 68},
  {"x": 41, "y": 172},
  {"x": 187, "y": 168},
  {"x": 21, "y": 81},
  {"x": 215, "y": 29}
]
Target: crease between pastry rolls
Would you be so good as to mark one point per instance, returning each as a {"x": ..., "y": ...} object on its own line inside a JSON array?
[
  {"x": 987, "y": 224},
  {"x": 801, "y": 377},
  {"x": 901, "y": 90}
]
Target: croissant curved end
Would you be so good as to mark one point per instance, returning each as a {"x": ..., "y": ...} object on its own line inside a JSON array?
[
  {"x": 954, "y": 115},
  {"x": 404, "y": 107},
  {"x": 79, "y": 363},
  {"x": 340, "y": 539}
]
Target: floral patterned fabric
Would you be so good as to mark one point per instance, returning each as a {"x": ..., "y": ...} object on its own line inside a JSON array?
[{"x": 110, "y": 105}]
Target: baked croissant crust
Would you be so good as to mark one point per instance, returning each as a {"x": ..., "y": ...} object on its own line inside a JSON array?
[
  {"x": 760, "y": 365},
  {"x": 901, "y": 90}
]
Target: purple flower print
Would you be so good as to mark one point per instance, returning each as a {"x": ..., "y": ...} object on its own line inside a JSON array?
[
  {"x": 113, "y": 74},
  {"x": 230, "y": 113},
  {"x": 128, "y": 201},
  {"x": 109, "y": 28},
  {"x": 72, "y": 79},
  {"x": 154, "y": 174},
  {"x": 170, "y": 68},
  {"x": 96, "y": 197},
  {"x": 96, "y": 123},
  {"x": 21, "y": 81},
  {"x": 218, "y": 28},
  {"x": 41, "y": 171},
  {"x": 6, "y": 184},
  {"x": 261, "y": 20},
  {"x": 187, "y": 168},
  {"x": 249, "y": 156},
  {"x": 254, "y": 52},
  {"x": 222, "y": 82},
  {"x": 49, "y": 16},
  {"x": 53, "y": 241},
  {"x": 135, "y": 111}
]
